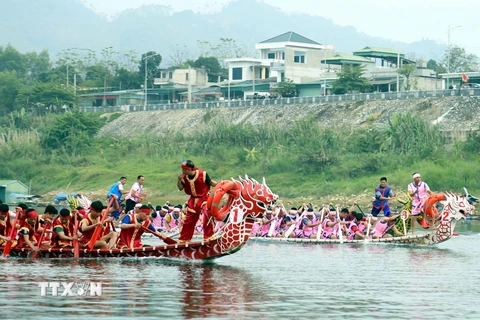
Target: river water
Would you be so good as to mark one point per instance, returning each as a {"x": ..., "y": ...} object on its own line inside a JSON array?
[{"x": 268, "y": 281}]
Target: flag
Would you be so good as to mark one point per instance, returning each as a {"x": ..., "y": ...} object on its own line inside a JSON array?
[{"x": 465, "y": 78}]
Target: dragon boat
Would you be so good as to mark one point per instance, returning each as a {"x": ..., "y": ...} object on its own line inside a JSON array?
[
  {"x": 247, "y": 200},
  {"x": 440, "y": 225}
]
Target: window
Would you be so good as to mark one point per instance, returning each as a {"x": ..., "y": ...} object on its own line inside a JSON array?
[
  {"x": 283, "y": 55},
  {"x": 186, "y": 76},
  {"x": 299, "y": 57},
  {"x": 170, "y": 75},
  {"x": 271, "y": 55},
  {"x": 163, "y": 75},
  {"x": 236, "y": 73},
  {"x": 282, "y": 76}
]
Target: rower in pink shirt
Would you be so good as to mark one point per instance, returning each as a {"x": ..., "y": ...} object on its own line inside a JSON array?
[
  {"x": 386, "y": 223},
  {"x": 328, "y": 225}
]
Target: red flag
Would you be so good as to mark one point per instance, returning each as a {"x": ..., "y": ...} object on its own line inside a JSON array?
[{"x": 465, "y": 78}]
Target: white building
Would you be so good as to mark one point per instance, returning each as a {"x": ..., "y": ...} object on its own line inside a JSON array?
[
  {"x": 288, "y": 55},
  {"x": 196, "y": 77}
]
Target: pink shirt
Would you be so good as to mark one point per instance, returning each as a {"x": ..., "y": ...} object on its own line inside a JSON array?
[{"x": 418, "y": 200}]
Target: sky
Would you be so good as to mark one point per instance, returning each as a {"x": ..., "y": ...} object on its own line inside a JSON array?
[{"x": 405, "y": 20}]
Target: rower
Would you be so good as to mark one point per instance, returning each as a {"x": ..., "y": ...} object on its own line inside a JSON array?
[
  {"x": 46, "y": 221},
  {"x": 108, "y": 238},
  {"x": 133, "y": 226},
  {"x": 5, "y": 224},
  {"x": 63, "y": 230},
  {"x": 27, "y": 231}
]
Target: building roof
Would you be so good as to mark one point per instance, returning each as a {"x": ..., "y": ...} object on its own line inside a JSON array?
[
  {"x": 341, "y": 59},
  {"x": 290, "y": 37},
  {"x": 7, "y": 182},
  {"x": 382, "y": 53}
]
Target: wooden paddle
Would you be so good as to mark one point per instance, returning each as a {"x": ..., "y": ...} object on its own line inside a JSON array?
[
  {"x": 76, "y": 244},
  {"x": 340, "y": 232},
  {"x": 98, "y": 229},
  {"x": 293, "y": 226},
  {"x": 359, "y": 208},
  {"x": 404, "y": 216},
  {"x": 367, "y": 237},
  {"x": 8, "y": 244},
  {"x": 166, "y": 239},
  {"x": 319, "y": 229},
  {"x": 35, "y": 254},
  {"x": 273, "y": 223},
  {"x": 74, "y": 204}
]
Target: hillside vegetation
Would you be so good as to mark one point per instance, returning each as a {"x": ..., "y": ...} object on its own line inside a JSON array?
[{"x": 304, "y": 160}]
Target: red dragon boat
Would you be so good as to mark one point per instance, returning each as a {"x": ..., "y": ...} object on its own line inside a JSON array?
[{"x": 247, "y": 200}]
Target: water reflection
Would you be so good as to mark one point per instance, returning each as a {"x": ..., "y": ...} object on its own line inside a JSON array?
[{"x": 216, "y": 291}]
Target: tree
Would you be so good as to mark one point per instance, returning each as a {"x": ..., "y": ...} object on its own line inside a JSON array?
[
  {"x": 48, "y": 97},
  {"x": 12, "y": 60},
  {"x": 209, "y": 63},
  {"x": 72, "y": 132},
  {"x": 98, "y": 76},
  {"x": 129, "y": 61},
  {"x": 126, "y": 79},
  {"x": 460, "y": 61},
  {"x": 226, "y": 48},
  {"x": 212, "y": 66},
  {"x": 286, "y": 88},
  {"x": 435, "y": 66},
  {"x": 36, "y": 65},
  {"x": 351, "y": 80},
  {"x": 10, "y": 86},
  {"x": 179, "y": 56},
  {"x": 407, "y": 70},
  {"x": 153, "y": 64}
]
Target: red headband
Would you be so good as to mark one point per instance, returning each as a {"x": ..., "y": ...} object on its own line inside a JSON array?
[
  {"x": 185, "y": 167},
  {"x": 146, "y": 210},
  {"x": 32, "y": 215}
]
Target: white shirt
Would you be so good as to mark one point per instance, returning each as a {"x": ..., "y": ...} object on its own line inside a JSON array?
[{"x": 136, "y": 188}]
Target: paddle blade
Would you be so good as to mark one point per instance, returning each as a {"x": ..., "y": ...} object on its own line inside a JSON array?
[
  {"x": 76, "y": 249},
  {"x": 94, "y": 237},
  {"x": 168, "y": 240},
  {"x": 6, "y": 250}
]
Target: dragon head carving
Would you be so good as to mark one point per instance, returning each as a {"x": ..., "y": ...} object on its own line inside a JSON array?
[
  {"x": 246, "y": 197},
  {"x": 456, "y": 206}
]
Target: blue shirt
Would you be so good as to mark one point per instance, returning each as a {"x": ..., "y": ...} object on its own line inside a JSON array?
[
  {"x": 115, "y": 190},
  {"x": 126, "y": 220}
]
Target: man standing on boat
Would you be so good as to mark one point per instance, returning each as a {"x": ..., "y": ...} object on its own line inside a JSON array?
[
  {"x": 135, "y": 195},
  {"x": 196, "y": 183},
  {"x": 383, "y": 194},
  {"x": 117, "y": 189},
  {"x": 419, "y": 191}
]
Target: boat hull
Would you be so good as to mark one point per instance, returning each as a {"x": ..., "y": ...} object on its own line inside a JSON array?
[
  {"x": 190, "y": 251},
  {"x": 423, "y": 239}
]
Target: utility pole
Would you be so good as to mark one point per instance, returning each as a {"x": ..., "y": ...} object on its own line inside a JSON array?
[
  {"x": 448, "y": 53},
  {"x": 398, "y": 68},
  {"x": 253, "y": 81},
  {"x": 145, "y": 85},
  {"x": 189, "y": 84}
]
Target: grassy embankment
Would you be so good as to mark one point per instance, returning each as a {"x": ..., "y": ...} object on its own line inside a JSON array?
[{"x": 302, "y": 162}]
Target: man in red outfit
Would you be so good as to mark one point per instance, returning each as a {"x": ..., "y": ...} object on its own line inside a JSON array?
[{"x": 196, "y": 184}]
